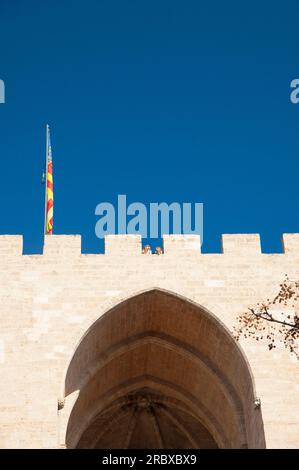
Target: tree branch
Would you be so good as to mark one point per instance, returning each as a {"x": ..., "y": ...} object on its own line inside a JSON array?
[{"x": 269, "y": 317}]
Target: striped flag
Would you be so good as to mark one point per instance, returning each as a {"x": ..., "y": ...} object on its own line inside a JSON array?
[{"x": 49, "y": 187}]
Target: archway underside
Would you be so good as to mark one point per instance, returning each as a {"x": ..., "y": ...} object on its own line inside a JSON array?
[
  {"x": 146, "y": 420},
  {"x": 158, "y": 371}
]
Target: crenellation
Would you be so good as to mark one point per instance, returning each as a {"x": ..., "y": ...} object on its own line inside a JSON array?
[
  {"x": 11, "y": 245},
  {"x": 57, "y": 245},
  {"x": 290, "y": 243},
  {"x": 173, "y": 244},
  {"x": 242, "y": 244},
  {"x": 125, "y": 245}
]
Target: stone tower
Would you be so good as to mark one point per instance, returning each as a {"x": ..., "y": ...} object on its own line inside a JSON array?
[{"x": 126, "y": 350}]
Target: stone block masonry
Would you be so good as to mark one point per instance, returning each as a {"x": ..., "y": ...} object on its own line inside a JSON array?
[{"x": 50, "y": 302}]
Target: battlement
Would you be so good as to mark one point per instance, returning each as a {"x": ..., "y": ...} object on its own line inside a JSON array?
[
  {"x": 112, "y": 324},
  {"x": 131, "y": 245},
  {"x": 11, "y": 245}
]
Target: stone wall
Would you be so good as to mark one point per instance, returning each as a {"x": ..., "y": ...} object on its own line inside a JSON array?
[{"x": 49, "y": 301}]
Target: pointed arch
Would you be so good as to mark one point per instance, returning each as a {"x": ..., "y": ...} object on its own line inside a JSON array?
[{"x": 160, "y": 344}]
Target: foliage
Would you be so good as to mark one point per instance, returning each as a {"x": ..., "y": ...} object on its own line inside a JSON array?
[{"x": 274, "y": 321}]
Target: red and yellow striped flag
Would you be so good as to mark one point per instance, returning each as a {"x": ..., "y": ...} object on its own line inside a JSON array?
[{"x": 49, "y": 187}]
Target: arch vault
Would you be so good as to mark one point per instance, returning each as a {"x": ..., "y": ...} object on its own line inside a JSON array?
[{"x": 159, "y": 371}]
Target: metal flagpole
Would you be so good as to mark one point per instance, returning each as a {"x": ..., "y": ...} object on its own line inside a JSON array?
[{"x": 46, "y": 179}]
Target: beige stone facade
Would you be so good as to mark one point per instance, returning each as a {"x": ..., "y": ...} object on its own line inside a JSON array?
[{"x": 124, "y": 349}]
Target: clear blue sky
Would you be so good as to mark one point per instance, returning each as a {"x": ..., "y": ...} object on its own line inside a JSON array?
[{"x": 160, "y": 100}]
